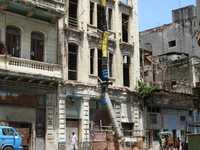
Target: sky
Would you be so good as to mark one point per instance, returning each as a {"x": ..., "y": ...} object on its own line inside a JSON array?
[{"x": 153, "y": 13}]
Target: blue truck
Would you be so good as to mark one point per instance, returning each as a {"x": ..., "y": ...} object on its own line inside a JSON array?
[{"x": 10, "y": 139}]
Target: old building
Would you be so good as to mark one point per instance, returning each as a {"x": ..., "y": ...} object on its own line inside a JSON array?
[
  {"x": 30, "y": 70},
  {"x": 178, "y": 36},
  {"x": 170, "y": 61},
  {"x": 176, "y": 76},
  {"x": 168, "y": 111},
  {"x": 82, "y": 69},
  {"x": 50, "y": 70}
]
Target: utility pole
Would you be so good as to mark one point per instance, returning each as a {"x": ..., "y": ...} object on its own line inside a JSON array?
[{"x": 104, "y": 72}]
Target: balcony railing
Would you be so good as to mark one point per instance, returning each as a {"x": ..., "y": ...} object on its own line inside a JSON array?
[
  {"x": 73, "y": 23},
  {"x": 57, "y": 5},
  {"x": 25, "y": 66},
  {"x": 197, "y": 84},
  {"x": 133, "y": 133}
]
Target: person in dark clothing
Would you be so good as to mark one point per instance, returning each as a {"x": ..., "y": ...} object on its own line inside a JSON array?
[{"x": 2, "y": 48}]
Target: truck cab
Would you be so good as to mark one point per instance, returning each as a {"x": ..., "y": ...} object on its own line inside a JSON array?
[{"x": 10, "y": 139}]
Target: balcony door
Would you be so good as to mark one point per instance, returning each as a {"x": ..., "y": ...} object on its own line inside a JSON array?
[
  {"x": 13, "y": 41},
  {"x": 37, "y": 46}
]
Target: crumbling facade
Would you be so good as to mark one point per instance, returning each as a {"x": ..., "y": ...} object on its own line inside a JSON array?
[
  {"x": 169, "y": 61},
  {"x": 82, "y": 69},
  {"x": 179, "y": 36}
]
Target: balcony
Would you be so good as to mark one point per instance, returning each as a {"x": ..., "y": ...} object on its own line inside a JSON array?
[
  {"x": 23, "y": 67},
  {"x": 56, "y": 5},
  {"x": 46, "y": 10},
  {"x": 197, "y": 84},
  {"x": 73, "y": 23}
]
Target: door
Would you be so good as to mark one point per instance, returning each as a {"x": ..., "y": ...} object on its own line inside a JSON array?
[{"x": 71, "y": 126}]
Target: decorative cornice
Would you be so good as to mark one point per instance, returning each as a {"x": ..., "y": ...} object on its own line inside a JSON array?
[
  {"x": 126, "y": 48},
  {"x": 74, "y": 36},
  {"x": 125, "y": 8}
]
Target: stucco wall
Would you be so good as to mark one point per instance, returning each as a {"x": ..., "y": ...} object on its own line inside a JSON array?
[
  {"x": 27, "y": 25},
  {"x": 159, "y": 39},
  {"x": 11, "y": 113}
]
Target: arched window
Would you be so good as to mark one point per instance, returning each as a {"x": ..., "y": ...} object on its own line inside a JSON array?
[
  {"x": 37, "y": 46},
  {"x": 72, "y": 61},
  {"x": 13, "y": 40}
]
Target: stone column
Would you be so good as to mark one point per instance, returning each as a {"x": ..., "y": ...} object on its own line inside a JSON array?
[
  {"x": 61, "y": 119},
  {"x": 85, "y": 133},
  {"x": 2, "y": 29},
  {"x": 95, "y": 14},
  {"x": 51, "y": 143}
]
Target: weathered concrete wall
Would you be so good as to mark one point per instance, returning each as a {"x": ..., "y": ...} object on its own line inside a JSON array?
[
  {"x": 159, "y": 39},
  {"x": 182, "y": 30},
  {"x": 9, "y": 113},
  {"x": 27, "y": 25}
]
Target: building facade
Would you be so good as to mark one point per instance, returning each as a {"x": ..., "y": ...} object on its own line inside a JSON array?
[
  {"x": 170, "y": 61},
  {"x": 50, "y": 66},
  {"x": 178, "y": 36},
  {"x": 82, "y": 68},
  {"x": 30, "y": 71}
]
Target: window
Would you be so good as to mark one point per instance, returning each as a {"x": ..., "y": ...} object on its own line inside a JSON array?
[
  {"x": 37, "y": 46},
  {"x": 126, "y": 73},
  {"x": 73, "y": 15},
  {"x": 109, "y": 18},
  {"x": 156, "y": 136},
  {"x": 153, "y": 119},
  {"x": 110, "y": 64},
  {"x": 99, "y": 17},
  {"x": 172, "y": 43},
  {"x": 127, "y": 129},
  {"x": 125, "y": 27},
  {"x": 91, "y": 13},
  {"x": 13, "y": 40},
  {"x": 8, "y": 131},
  {"x": 154, "y": 109},
  {"x": 72, "y": 61},
  {"x": 190, "y": 113},
  {"x": 182, "y": 118},
  {"x": 99, "y": 62},
  {"x": 146, "y": 73},
  {"x": 92, "y": 61}
]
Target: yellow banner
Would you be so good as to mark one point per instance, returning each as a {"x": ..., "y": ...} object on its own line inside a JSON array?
[
  {"x": 103, "y": 3},
  {"x": 105, "y": 44}
]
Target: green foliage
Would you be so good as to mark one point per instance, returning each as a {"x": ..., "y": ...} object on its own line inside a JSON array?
[{"x": 144, "y": 90}]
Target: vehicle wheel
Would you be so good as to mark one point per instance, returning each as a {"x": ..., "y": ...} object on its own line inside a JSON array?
[{"x": 8, "y": 148}]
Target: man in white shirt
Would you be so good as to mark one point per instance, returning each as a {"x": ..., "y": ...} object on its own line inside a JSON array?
[{"x": 74, "y": 141}]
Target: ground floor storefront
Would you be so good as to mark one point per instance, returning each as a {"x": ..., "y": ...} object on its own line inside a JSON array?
[
  {"x": 89, "y": 119},
  {"x": 46, "y": 117},
  {"x": 24, "y": 114},
  {"x": 30, "y": 111}
]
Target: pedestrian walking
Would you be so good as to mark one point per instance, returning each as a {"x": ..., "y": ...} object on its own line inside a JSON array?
[{"x": 74, "y": 141}]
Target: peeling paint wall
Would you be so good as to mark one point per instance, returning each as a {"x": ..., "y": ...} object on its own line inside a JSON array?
[{"x": 182, "y": 30}]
